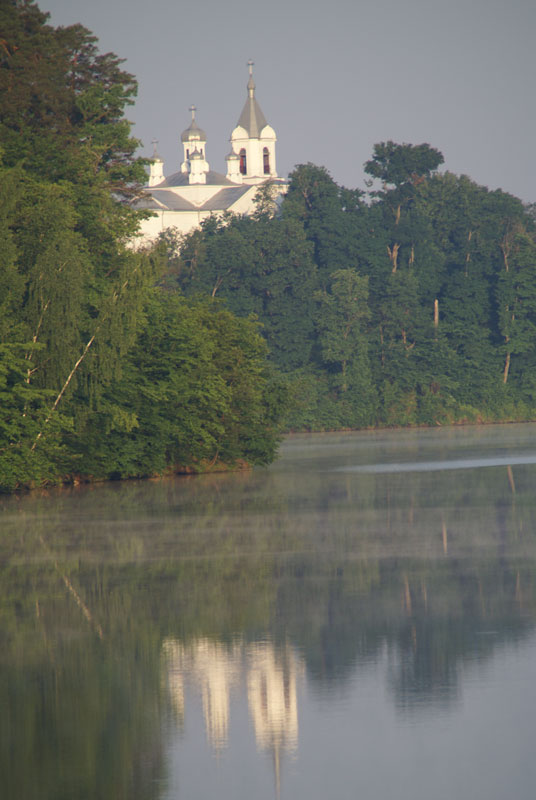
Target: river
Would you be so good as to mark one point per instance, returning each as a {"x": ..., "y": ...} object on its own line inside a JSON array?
[{"x": 355, "y": 621}]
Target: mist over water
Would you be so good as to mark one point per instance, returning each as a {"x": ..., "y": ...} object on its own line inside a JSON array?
[
  {"x": 358, "y": 620},
  {"x": 435, "y": 466}
]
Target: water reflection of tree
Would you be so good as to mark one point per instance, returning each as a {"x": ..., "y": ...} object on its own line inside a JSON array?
[
  {"x": 375, "y": 564},
  {"x": 80, "y": 715},
  {"x": 430, "y": 617}
]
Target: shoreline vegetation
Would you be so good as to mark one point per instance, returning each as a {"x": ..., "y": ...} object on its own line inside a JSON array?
[
  {"x": 219, "y": 467},
  {"x": 411, "y": 304}
]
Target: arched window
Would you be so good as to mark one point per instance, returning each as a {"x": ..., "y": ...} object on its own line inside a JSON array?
[
  {"x": 243, "y": 162},
  {"x": 266, "y": 161},
  {"x": 187, "y": 154}
]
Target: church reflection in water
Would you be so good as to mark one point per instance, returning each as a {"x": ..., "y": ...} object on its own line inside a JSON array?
[{"x": 269, "y": 675}]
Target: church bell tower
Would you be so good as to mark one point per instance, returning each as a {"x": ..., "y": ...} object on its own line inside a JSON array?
[{"x": 253, "y": 140}]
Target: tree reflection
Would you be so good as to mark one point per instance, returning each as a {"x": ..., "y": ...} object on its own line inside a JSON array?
[{"x": 251, "y": 583}]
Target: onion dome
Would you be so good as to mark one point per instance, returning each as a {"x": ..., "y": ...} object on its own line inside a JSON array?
[{"x": 193, "y": 133}]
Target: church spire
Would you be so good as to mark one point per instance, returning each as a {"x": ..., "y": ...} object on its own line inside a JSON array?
[
  {"x": 253, "y": 140},
  {"x": 252, "y": 119},
  {"x": 251, "y": 82}
]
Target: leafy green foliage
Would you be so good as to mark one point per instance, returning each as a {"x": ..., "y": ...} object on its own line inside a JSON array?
[
  {"x": 22, "y": 411},
  {"x": 63, "y": 102},
  {"x": 259, "y": 266},
  {"x": 334, "y": 219},
  {"x": 414, "y": 307},
  {"x": 516, "y": 297},
  {"x": 195, "y": 393},
  {"x": 342, "y": 317},
  {"x": 101, "y": 374},
  {"x": 399, "y": 164}
]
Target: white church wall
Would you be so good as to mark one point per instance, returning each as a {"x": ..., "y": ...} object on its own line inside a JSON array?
[{"x": 183, "y": 221}]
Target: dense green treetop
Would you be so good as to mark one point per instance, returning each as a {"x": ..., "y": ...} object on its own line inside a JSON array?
[
  {"x": 398, "y": 164},
  {"x": 331, "y": 217},
  {"x": 63, "y": 102},
  {"x": 261, "y": 265}
]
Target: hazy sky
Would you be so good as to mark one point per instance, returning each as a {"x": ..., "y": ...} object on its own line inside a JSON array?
[{"x": 333, "y": 78}]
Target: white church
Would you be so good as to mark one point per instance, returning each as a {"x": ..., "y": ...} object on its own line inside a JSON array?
[{"x": 185, "y": 198}]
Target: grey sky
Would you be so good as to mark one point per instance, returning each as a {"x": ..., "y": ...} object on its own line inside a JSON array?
[{"x": 333, "y": 78}]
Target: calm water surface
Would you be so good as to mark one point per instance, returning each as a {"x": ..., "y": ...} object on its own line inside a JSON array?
[{"x": 356, "y": 621}]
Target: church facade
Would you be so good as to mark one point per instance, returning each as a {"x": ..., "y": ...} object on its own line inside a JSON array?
[{"x": 187, "y": 197}]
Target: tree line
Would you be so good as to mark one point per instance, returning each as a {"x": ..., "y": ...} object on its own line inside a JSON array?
[{"x": 412, "y": 303}]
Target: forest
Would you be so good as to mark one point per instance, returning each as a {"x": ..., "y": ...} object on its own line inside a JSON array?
[{"x": 411, "y": 302}]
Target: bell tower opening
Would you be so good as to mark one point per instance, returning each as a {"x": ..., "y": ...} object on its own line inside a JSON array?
[
  {"x": 266, "y": 161},
  {"x": 243, "y": 162}
]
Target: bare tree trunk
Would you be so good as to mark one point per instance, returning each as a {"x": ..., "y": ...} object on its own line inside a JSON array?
[
  {"x": 34, "y": 339},
  {"x": 393, "y": 255},
  {"x": 115, "y": 296},
  {"x": 64, "y": 389},
  {"x": 468, "y": 254},
  {"x": 506, "y": 368}
]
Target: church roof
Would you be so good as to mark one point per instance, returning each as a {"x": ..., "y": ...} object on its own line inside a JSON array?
[
  {"x": 252, "y": 119},
  {"x": 172, "y": 201},
  {"x": 182, "y": 179},
  {"x": 167, "y": 200},
  {"x": 225, "y": 198},
  {"x": 147, "y": 201}
]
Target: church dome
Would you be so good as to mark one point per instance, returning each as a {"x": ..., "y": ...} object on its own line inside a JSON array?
[{"x": 193, "y": 132}]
